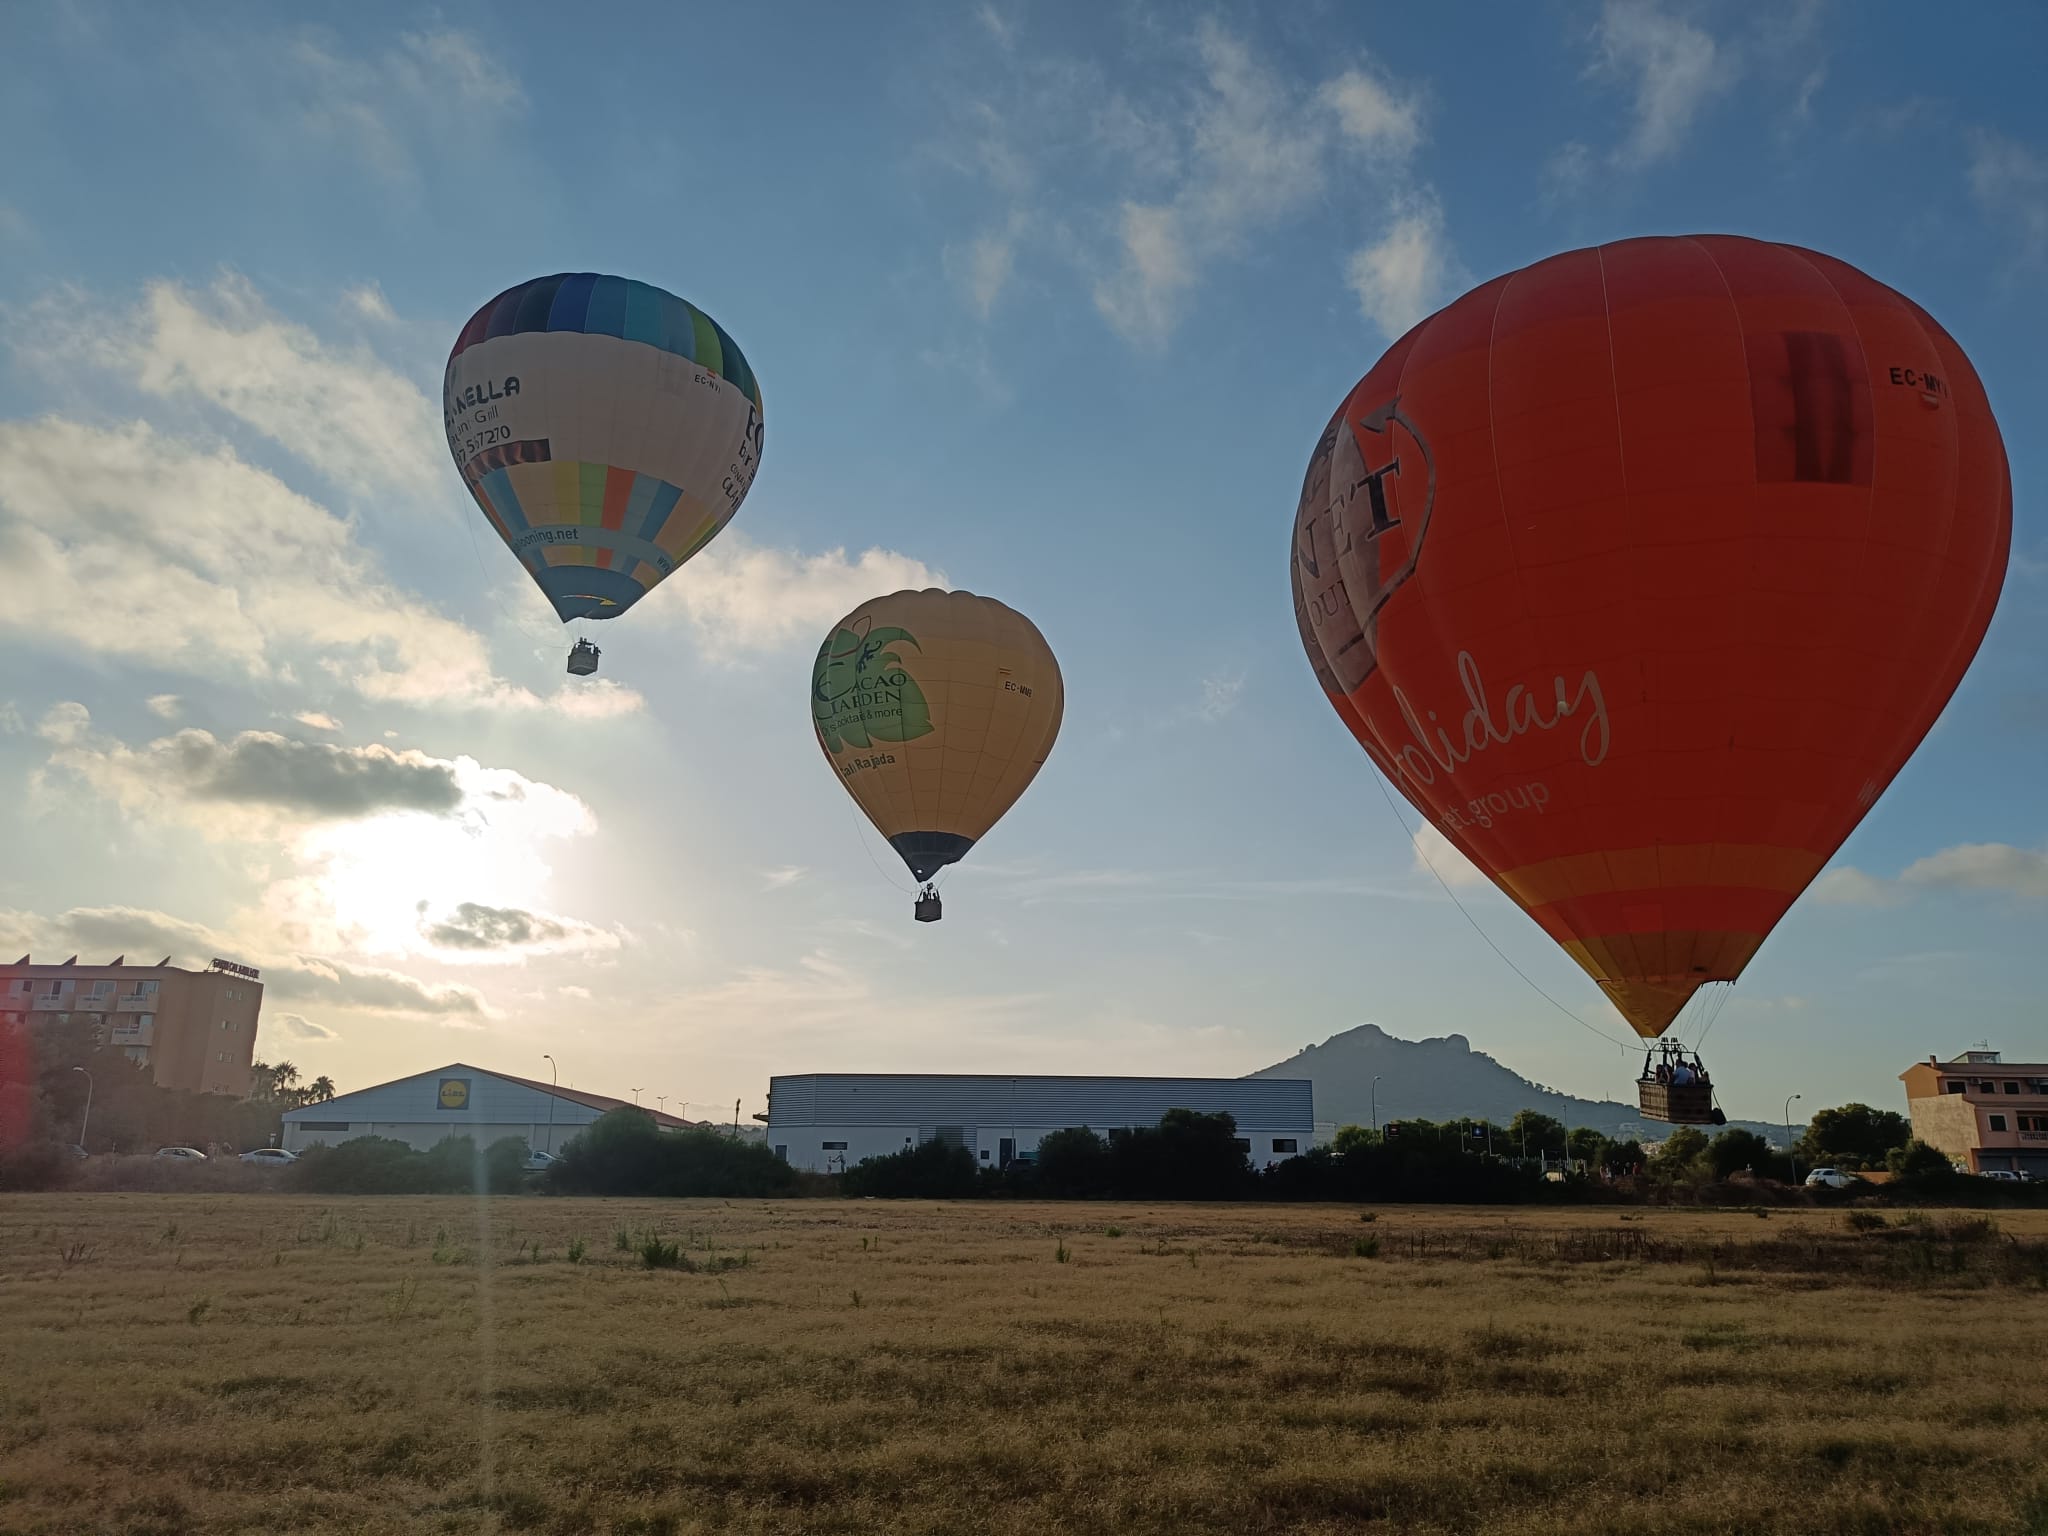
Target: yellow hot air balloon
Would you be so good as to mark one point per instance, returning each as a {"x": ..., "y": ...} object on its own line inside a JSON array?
[{"x": 935, "y": 709}]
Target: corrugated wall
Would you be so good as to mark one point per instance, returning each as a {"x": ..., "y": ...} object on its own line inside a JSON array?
[{"x": 879, "y": 1099}]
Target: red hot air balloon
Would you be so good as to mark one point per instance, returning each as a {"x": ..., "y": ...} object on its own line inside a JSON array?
[{"x": 1641, "y": 571}]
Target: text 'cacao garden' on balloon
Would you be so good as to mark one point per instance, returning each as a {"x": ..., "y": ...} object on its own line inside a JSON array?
[{"x": 1640, "y": 573}]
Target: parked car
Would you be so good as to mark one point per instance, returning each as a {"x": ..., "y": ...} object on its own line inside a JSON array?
[
  {"x": 270, "y": 1157},
  {"x": 188, "y": 1154},
  {"x": 2003, "y": 1175},
  {"x": 75, "y": 1150},
  {"x": 539, "y": 1162},
  {"x": 1830, "y": 1178}
]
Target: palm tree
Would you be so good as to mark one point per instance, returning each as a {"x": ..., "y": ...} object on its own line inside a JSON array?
[{"x": 320, "y": 1090}]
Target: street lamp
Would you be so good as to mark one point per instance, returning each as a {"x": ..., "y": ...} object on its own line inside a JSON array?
[
  {"x": 1788, "y": 1133},
  {"x": 661, "y": 1103},
  {"x": 85, "y": 1119},
  {"x": 555, "y": 1078},
  {"x": 636, "y": 1098},
  {"x": 1375, "y": 1103}
]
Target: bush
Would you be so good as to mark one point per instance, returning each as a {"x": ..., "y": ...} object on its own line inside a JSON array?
[
  {"x": 934, "y": 1171},
  {"x": 378, "y": 1165},
  {"x": 38, "y": 1165},
  {"x": 1072, "y": 1165},
  {"x": 625, "y": 1153}
]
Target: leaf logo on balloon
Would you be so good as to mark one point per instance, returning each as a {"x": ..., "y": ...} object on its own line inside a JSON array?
[{"x": 860, "y": 692}]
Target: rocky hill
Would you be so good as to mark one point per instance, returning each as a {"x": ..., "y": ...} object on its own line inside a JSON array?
[{"x": 1445, "y": 1079}]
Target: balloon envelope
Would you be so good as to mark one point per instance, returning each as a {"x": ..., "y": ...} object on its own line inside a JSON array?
[
  {"x": 936, "y": 710},
  {"x": 607, "y": 429},
  {"x": 1640, "y": 572}
]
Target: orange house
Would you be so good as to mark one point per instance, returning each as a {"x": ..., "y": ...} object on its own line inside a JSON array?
[{"x": 1985, "y": 1113}]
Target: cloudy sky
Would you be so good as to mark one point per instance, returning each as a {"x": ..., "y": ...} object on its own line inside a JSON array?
[{"x": 1049, "y": 301}]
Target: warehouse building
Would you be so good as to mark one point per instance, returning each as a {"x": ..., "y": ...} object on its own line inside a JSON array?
[
  {"x": 827, "y": 1122},
  {"x": 194, "y": 1030},
  {"x": 457, "y": 1100}
]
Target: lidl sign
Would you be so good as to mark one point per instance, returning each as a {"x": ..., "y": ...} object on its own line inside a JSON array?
[{"x": 455, "y": 1093}]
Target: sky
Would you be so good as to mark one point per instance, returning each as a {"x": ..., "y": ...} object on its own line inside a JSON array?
[{"x": 1047, "y": 301}]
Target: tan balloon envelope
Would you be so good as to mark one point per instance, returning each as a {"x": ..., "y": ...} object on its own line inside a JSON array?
[{"x": 935, "y": 709}]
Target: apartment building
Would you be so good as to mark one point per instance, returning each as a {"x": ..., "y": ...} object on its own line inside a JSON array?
[
  {"x": 193, "y": 1029},
  {"x": 1985, "y": 1112}
]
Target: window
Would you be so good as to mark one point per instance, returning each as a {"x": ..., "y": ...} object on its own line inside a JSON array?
[
  {"x": 144, "y": 1020},
  {"x": 782, "y": 1154},
  {"x": 1998, "y": 1122},
  {"x": 1283, "y": 1143},
  {"x": 220, "y": 1055},
  {"x": 1951, "y": 1087},
  {"x": 984, "y": 1154},
  {"x": 1242, "y": 1143},
  {"x": 2012, "y": 1087},
  {"x": 1987, "y": 1086},
  {"x": 832, "y": 1146}
]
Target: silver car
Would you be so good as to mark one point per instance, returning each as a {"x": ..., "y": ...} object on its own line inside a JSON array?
[
  {"x": 270, "y": 1157},
  {"x": 186, "y": 1154}
]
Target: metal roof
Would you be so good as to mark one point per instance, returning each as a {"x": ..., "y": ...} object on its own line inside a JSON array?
[{"x": 881, "y": 1098}]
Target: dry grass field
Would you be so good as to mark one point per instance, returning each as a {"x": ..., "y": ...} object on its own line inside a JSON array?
[{"x": 184, "y": 1364}]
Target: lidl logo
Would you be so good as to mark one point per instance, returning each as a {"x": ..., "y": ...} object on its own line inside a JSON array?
[{"x": 455, "y": 1093}]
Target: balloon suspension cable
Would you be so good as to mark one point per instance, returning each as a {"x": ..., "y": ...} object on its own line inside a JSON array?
[
  {"x": 860, "y": 831},
  {"x": 1714, "y": 1012},
  {"x": 1415, "y": 842}
]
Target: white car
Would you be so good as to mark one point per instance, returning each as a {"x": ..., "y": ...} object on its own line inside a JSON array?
[
  {"x": 185, "y": 1154},
  {"x": 2005, "y": 1175},
  {"x": 270, "y": 1157},
  {"x": 1830, "y": 1178},
  {"x": 539, "y": 1162}
]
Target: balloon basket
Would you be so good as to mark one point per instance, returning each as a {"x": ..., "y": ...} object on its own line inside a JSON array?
[
  {"x": 927, "y": 909},
  {"x": 582, "y": 659}
]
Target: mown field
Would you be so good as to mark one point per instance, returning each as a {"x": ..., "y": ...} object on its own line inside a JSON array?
[{"x": 183, "y": 1364}]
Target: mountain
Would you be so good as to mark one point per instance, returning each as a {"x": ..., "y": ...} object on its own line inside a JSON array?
[{"x": 1445, "y": 1079}]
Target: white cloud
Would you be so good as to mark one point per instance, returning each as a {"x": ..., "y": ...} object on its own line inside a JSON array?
[
  {"x": 981, "y": 269},
  {"x": 1401, "y": 277},
  {"x": 474, "y": 931},
  {"x": 1223, "y": 153},
  {"x": 2010, "y": 182},
  {"x": 359, "y": 422},
  {"x": 1432, "y": 851},
  {"x": 1374, "y": 115},
  {"x": 744, "y": 597},
  {"x": 1673, "y": 67},
  {"x": 165, "y": 706},
  {"x": 1003, "y": 31},
  {"x": 1567, "y": 173},
  {"x": 1142, "y": 300},
  {"x": 298, "y": 1027},
  {"x": 222, "y": 571},
  {"x": 201, "y": 776},
  {"x": 436, "y": 87},
  {"x": 577, "y": 994},
  {"x": 1847, "y": 886},
  {"x": 597, "y": 699},
  {"x": 316, "y": 720},
  {"x": 1220, "y": 695},
  {"x": 1984, "y": 867},
  {"x": 368, "y": 302},
  {"x": 782, "y": 877},
  {"x": 1997, "y": 867},
  {"x": 287, "y": 976}
]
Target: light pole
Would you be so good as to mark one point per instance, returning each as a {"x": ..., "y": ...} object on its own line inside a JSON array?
[
  {"x": 555, "y": 1078},
  {"x": 661, "y": 1103},
  {"x": 1375, "y": 1104},
  {"x": 636, "y": 1098},
  {"x": 1788, "y": 1134},
  {"x": 85, "y": 1119}
]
